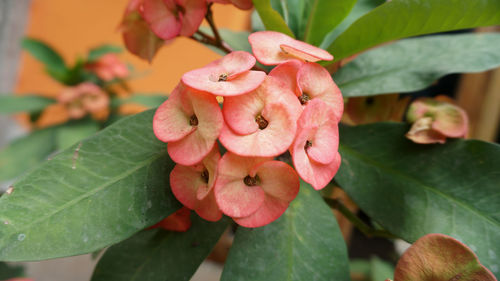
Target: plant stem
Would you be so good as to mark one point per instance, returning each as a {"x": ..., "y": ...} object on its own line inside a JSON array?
[
  {"x": 217, "y": 39},
  {"x": 356, "y": 221}
]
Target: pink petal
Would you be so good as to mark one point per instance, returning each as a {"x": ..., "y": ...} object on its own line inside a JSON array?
[
  {"x": 272, "y": 48},
  {"x": 278, "y": 179},
  {"x": 234, "y": 68},
  {"x": 194, "y": 15},
  {"x": 315, "y": 81},
  {"x": 162, "y": 20},
  {"x": 234, "y": 197},
  {"x": 171, "y": 120},
  {"x": 184, "y": 182},
  {"x": 270, "y": 210},
  {"x": 178, "y": 221},
  {"x": 271, "y": 141},
  {"x": 243, "y": 4},
  {"x": 287, "y": 74},
  {"x": 195, "y": 146},
  {"x": 451, "y": 121},
  {"x": 318, "y": 123},
  {"x": 208, "y": 208},
  {"x": 421, "y": 132}
]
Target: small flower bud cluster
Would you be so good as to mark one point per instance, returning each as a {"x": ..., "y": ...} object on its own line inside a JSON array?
[
  {"x": 85, "y": 98},
  {"x": 295, "y": 108}
]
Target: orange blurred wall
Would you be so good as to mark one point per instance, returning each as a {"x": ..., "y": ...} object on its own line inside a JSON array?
[{"x": 74, "y": 26}]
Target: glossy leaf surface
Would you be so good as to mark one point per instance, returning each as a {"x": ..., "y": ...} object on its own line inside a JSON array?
[
  {"x": 272, "y": 19},
  {"x": 406, "y": 18},
  {"x": 414, "y": 64},
  {"x": 158, "y": 255},
  {"x": 94, "y": 194},
  {"x": 305, "y": 243},
  {"x": 413, "y": 190},
  {"x": 69, "y": 134}
]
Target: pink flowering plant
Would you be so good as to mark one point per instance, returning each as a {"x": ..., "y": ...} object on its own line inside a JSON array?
[{"x": 306, "y": 127}]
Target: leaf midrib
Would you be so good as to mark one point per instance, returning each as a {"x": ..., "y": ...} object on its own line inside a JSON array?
[
  {"x": 460, "y": 203},
  {"x": 85, "y": 195}
]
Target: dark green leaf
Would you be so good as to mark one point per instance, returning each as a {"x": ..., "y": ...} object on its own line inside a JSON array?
[
  {"x": 8, "y": 271},
  {"x": 325, "y": 15},
  {"x": 97, "y": 193},
  {"x": 414, "y": 64},
  {"x": 305, "y": 243},
  {"x": 295, "y": 13},
  {"x": 360, "y": 8},
  {"x": 272, "y": 19},
  {"x": 27, "y": 103},
  {"x": 72, "y": 132},
  {"x": 149, "y": 100},
  {"x": 26, "y": 152},
  {"x": 405, "y": 18},
  {"x": 413, "y": 190},
  {"x": 96, "y": 53},
  {"x": 45, "y": 54},
  {"x": 159, "y": 255}
]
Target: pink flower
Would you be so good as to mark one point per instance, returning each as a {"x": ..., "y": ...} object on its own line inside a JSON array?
[
  {"x": 137, "y": 35},
  {"x": 190, "y": 122},
  {"x": 272, "y": 48},
  {"x": 228, "y": 76},
  {"x": 179, "y": 221},
  {"x": 109, "y": 67},
  {"x": 240, "y": 4},
  {"x": 262, "y": 122},
  {"x": 310, "y": 81},
  {"x": 171, "y": 18},
  {"x": 254, "y": 191},
  {"x": 315, "y": 148},
  {"x": 436, "y": 119},
  {"x": 83, "y": 99},
  {"x": 193, "y": 186}
]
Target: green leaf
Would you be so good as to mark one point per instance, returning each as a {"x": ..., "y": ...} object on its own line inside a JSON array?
[
  {"x": 295, "y": 13},
  {"x": 405, "y": 18},
  {"x": 72, "y": 132},
  {"x": 96, "y": 53},
  {"x": 305, "y": 243},
  {"x": 373, "y": 269},
  {"x": 97, "y": 193},
  {"x": 45, "y": 54},
  {"x": 158, "y": 255},
  {"x": 10, "y": 271},
  {"x": 414, "y": 64},
  {"x": 272, "y": 19},
  {"x": 27, "y": 103},
  {"x": 360, "y": 8},
  {"x": 325, "y": 15},
  {"x": 26, "y": 152},
  {"x": 149, "y": 100},
  {"x": 413, "y": 190}
]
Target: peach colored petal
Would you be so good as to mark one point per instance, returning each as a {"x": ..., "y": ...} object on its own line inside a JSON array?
[
  {"x": 270, "y": 210},
  {"x": 234, "y": 197},
  {"x": 228, "y": 76},
  {"x": 171, "y": 121},
  {"x": 287, "y": 74},
  {"x": 272, "y": 48},
  {"x": 270, "y": 141},
  {"x": 184, "y": 182},
  {"x": 451, "y": 121},
  {"x": 421, "y": 132},
  {"x": 178, "y": 221},
  {"x": 315, "y": 82},
  {"x": 278, "y": 179},
  {"x": 208, "y": 208},
  {"x": 195, "y": 11},
  {"x": 164, "y": 22}
]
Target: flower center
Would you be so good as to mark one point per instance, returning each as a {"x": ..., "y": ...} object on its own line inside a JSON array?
[
  {"x": 308, "y": 144},
  {"x": 193, "y": 120},
  {"x": 261, "y": 121},
  {"x": 222, "y": 77},
  {"x": 251, "y": 181},
  {"x": 304, "y": 98},
  {"x": 204, "y": 176}
]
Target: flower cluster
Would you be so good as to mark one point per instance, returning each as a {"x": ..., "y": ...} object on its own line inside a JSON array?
[
  {"x": 435, "y": 119},
  {"x": 147, "y": 24},
  {"x": 295, "y": 108},
  {"x": 85, "y": 98}
]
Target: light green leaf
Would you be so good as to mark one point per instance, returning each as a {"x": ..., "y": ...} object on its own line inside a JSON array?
[
  {"x": 413, "y": 189},
  {"x": 96, "y": 53},
  {"x": 405, "y": 18},
  {"x": 45, "y": 54},
  {"x": 414, "y": 64},
  {"x": 72, "y": 132},
  {"x": 360, "y": 8},
  {"x": 159, "y": 255},
  {"x": 305, "y": 243},
  {"x": 26, "y": 152},
  {"x": 97, "y": 193},
  {"x": 27, "y": 103},
  {"x": 150, "y": 100},
  {"x": 325, "y": 15},
  {"x": 272, "y": 19},
  {"x": 295, "y": 13}
]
